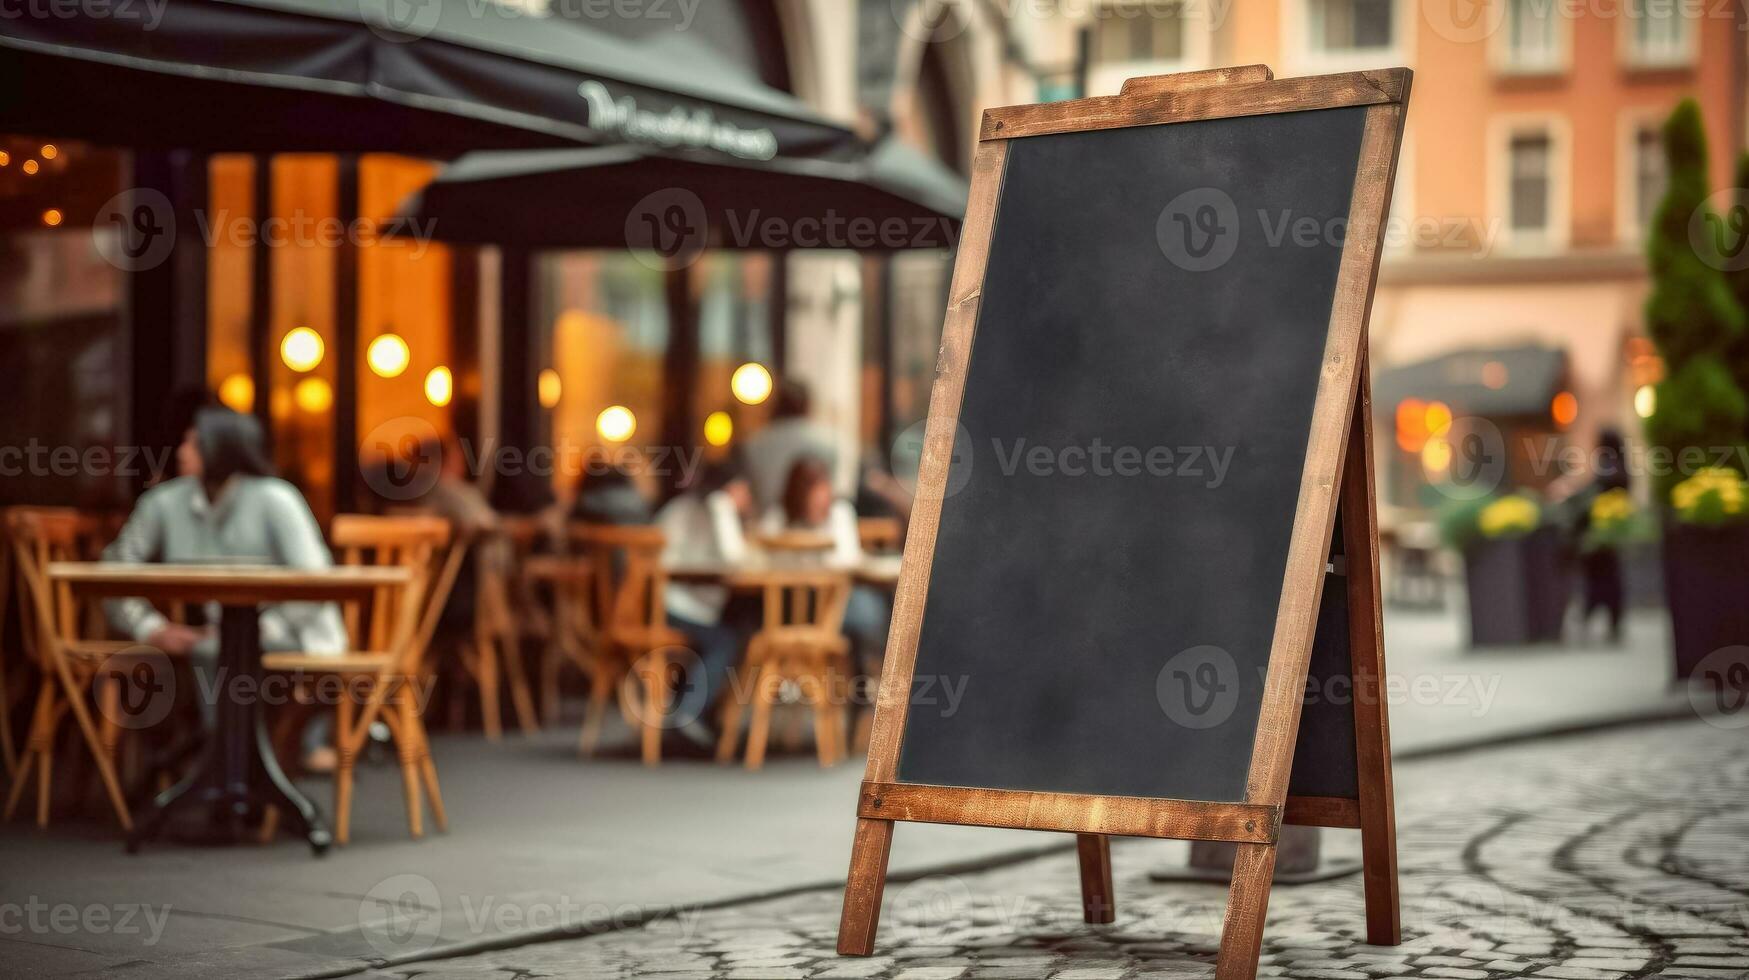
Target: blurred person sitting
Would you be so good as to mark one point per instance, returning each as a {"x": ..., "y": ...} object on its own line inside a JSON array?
[
  {"x": 703, "y": 524},
  {"x": 227, "y": 507},
  {"x": 810, "y": 505},
  {"x": 610, "y": 495},
  {"x": 1602, "y": 565},
  {"x": 771, "y": 453}
]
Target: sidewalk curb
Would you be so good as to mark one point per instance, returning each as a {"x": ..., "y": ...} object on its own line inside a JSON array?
[{"x": 1662, "y": 714}]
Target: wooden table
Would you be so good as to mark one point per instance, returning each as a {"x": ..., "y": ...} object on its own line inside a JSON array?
[
  {"x": 877, "y": 570},
  {"x": 238, "y": 774}
]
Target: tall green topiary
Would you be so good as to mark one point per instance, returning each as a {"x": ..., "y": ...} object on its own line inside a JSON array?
[
  {"x": 1737, "y": 356},
  {"x": 1692, "y": 315}
]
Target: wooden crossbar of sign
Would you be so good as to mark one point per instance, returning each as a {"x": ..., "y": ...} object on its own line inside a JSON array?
[{"x": 1137, "y": 483}]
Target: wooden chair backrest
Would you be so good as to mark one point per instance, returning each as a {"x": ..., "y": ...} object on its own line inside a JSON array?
[
  {"x": 796, "y": 547},
  {"x": 40, "y": 535},
  {"x": 422, "y": 544},
  {"x": 880, "y": 534},
  {"x": 626, "y": 569},
  {"x": 804, "y": 601}
]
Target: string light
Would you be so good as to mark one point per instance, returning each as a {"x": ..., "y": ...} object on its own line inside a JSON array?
[
  {"x": 719, "y": 428},
  {"x": 616, "y": 423},
  {"x": 751, "y": 383},
  {"x": 302, "y": 349},
  {"x": 237, "y": 391},
  {"x": 439, "y": 386},
  {"x": 52, "y": 217},
  {"x": 549, "y": 387},
  {"x": 388, "y": 355},
  {"x": 313, "y": 395}
]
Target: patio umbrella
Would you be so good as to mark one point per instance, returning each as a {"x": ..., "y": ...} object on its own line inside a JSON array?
[
  {"x": 888, "y": 197},
  {"x": 421, "y": 77}
]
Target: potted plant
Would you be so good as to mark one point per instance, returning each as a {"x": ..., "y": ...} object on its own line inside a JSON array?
[
  {"x": 1706, "y": 566},
  {"x": 1518, "y": 586},
  {"x": 1701, "y": 411}
]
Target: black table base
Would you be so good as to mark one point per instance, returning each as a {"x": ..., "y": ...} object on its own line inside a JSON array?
[{"x": 237, "y": 776}]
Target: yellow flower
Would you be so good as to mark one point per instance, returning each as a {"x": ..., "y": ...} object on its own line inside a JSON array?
[
  {"x": 1509, "y": 517},
  {"x": 1612, "y": 507},
  {"x": 1711, "y": 493}
]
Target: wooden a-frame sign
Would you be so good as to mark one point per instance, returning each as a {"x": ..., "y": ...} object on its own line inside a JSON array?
[{"x": 1336, "y": 479}]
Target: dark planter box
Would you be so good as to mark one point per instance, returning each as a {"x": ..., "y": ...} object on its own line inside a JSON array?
[
  {"x": 1706, "y": 586},
  {"x": 1519, "y": 589}
]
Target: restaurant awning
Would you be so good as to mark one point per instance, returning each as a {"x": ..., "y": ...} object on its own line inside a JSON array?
[
  {"x": 889, "y": 197},
  {"x": 1492, "y": 382},
  {"x": 429, "y": 78}
]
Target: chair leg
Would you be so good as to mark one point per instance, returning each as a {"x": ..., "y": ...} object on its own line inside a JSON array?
[
  {"x": 93, "y": 742},
  {"x": 551, "y": 660},
  {"x": 38, "y": 745},
  {"x": 44, "y": 780},
  {"x": 731, "y": 717},
  {"x": 427, "y": 769},
  {"x": 825, "y": 743},
  {"x": 764, "y": 693},
  {"x": 8, "y": 751},
  {"x": 408, "y": 753},
  {"x": 346, "y": 747},
  {"x": 490, "y": 719},
  {"x": 601, "y": 685},
  {"x": 653, "y": 670},
  {"x": 20, "y": 779},
  {"x": 520, "y": 698}
]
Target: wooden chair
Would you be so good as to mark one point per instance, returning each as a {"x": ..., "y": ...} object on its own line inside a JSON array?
[
  {"x": 802, "y": 642},
  {"x": 575, "y": 636},
  {"x": 69, "y": 666},
  {"x": 881, "y": 535},
  {"x": 502, "y": 617},
  {"x": 8, "y": 751},
  {"x": 793, "y": 547},
  {"x": 636, "y": 643},
  {"x": 390, "y": 638}
]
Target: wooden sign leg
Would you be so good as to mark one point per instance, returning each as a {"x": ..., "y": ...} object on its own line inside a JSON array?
[
  {"x": 1098, "y": 902},
  {"x": 862, "y": 891},
  {"x": 1372, "y": 733},
  {"x": 1247, "y": 907}
]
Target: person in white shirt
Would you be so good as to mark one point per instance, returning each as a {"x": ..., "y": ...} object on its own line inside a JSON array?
[
  {"x": 703, "y": 525},
  {"x": 225, "y": 508},
  {"x": 809, "y": 505}
]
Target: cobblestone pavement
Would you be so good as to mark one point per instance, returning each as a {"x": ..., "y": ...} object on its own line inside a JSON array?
[{"x": 1622, "y": 854}]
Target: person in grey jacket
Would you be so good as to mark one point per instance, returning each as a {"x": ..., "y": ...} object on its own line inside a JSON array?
[{"x": 225, "y": 508}]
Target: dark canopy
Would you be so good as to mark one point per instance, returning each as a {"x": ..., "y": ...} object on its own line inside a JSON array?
[
  {"x": 422, "y": 77},
  {"x": 1487, "y": 381},
  {"x": 887, "y": 198}
]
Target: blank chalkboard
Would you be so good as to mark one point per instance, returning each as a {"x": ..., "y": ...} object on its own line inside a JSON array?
[{"x": 1059, "y": 593}]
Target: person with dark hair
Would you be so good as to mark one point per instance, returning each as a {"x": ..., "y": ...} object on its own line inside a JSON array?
[
  {"x": 227, "y": 507},
  {"x": 810, "y": 505},
  {"x": 772, "y": 451},
  {"x": 610, "y": 496},
  {"x": 702, "y": 525},
  {"x": 1602, "y": 565}
]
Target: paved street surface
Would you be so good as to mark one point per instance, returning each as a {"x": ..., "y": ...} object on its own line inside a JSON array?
[
  {"x": 541, "y": 841},
  {"x": 1619, "y": 854}
]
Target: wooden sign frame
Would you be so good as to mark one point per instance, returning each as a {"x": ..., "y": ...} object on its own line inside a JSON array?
[{"x": 1338, "y": 473}]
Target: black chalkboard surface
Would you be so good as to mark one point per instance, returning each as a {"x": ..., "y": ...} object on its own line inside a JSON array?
[
  {"x": 1124, "y": 561},
  {"x": 1062, "y": 589}
]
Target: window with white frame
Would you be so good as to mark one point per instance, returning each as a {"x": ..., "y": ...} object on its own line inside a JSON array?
[
  {"x": 1529, "y": 184},
  {"x": 1335, "y": 27},
  {"x": 1530, "y": 35},
  {"x": 1139, "y": 32},
  {"x": 1646, "y": 167},
  {"x": 1659, "y": 33}
]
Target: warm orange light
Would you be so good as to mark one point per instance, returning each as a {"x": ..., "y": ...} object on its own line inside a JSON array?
[
  {"x": 616, "y": 423},
  {"x": 719, "y": 428},
  {"x": 550, "y": 388},
  {"x": 439, "y": 386},
  {"x": 1646, "y": 401},
  {"x": 1564, "y": 409},
  {"x": 751, "y": 383},
  {"x": 31, "y": 166},
  {"x": 237, "y": 391},
  {"x": 1438, "y": 418},
  {"x": 302, "y": 349},
  {"x": 5, "y": 158},
  {"x": 49, "y": 151},
  {"x": 1411, "y": 424},
  {"x": 313, "y": 395},
  {"x": 52, "y": 217},
  {"x": 388, "y": 355}
]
